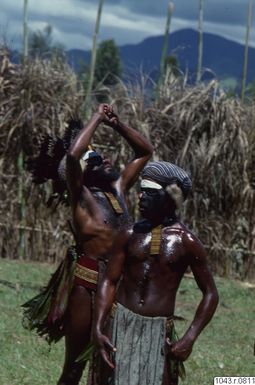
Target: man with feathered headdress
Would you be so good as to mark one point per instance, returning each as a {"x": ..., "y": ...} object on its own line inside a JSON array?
[
  {"x": 97, "y": 194},
  {"x": 151, "y": 260}
]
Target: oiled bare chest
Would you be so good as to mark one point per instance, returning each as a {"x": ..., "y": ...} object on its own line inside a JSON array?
[
  {"x": 150, "y": 276},
  {"x": 171, "y": 250}
]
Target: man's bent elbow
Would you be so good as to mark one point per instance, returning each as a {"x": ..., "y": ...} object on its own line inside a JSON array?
[
  {"x": 146, "y": 154},
  {"x": 149, "y": 150}
]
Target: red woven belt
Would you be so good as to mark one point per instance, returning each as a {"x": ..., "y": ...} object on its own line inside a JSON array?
[{"x": 86, "y": 272}]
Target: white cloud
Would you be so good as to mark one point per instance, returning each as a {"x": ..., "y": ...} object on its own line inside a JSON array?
[{"x": 73, "y": 20}]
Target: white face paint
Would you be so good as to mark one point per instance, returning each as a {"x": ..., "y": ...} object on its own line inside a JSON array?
[
  {"x": 86, "y": 155},
  {"x": 146, "y": 183}
]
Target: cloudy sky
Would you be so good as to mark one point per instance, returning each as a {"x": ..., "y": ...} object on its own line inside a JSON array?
[{"x": 127, "y": 21}]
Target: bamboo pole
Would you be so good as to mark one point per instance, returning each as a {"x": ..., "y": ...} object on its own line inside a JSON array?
[
  {"x": 162, "y": 68},
  {"x": 20, "y": 163},
  {"x": 22, "y": 209},
  {"x": 87, "y": 102},
  {"x": 200, "y": 40},
  {"x": 166, "y": 38},
  {"x": 25, "y": 30},
  {"x": 246, "y": 50}
]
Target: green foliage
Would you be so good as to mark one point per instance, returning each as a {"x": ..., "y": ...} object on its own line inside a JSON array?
[
  {"x": 169, "y": 72},
  {"x": 83, "y": 69},
  {"x": 108, "y": 63},
  {"x": 224, "y": 348},
  {"x": 172, "y": 63},
  {"x": 251, "y": 90},
  {"x": 41, "y": 44}
]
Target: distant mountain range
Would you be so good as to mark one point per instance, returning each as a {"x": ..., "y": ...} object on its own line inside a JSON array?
[{"x": 223, "y": 57}]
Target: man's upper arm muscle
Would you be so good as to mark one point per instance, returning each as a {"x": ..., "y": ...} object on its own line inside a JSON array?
[
  {"x": 198, "y": 263},
  {"x": 131, "y": 172},
  {"x": 143, "y": 151}
]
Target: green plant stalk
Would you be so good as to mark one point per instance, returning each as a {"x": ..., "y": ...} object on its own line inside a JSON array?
[
  {"x": 162, "y": 70},
  {"x": 87, "y": 102},
  {"x": 25, "y": 31},
  {"x": 246, "y": 50},
  {"x": 21, "y": 201},
  {"x": 200, "y": 40}
]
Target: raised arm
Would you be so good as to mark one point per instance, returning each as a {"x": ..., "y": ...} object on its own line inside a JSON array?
[
  {"x": 106, "y": 295},
  {"x": 207, "y": 306},
  {"x": 143, "y": 150},
  {"x": 74, "y": 173}
]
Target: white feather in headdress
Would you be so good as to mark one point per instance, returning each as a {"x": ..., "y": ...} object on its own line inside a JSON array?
[{"x": 175, "y": 194}]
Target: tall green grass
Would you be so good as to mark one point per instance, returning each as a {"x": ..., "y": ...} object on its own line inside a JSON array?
[{"x": 225, "y": 348}]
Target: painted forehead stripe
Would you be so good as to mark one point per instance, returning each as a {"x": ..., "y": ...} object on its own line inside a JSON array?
[{"x": 145, "y": 183}]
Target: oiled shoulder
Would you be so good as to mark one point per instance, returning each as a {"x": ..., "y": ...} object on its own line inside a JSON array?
[
  {"x": 190, "y": 242},
  {"x": 194, "y": 247}
]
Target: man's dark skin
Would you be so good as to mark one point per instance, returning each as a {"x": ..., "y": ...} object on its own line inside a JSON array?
[
  {"x": 95, "y": 222},
  {"x": 149, "y": 283}
]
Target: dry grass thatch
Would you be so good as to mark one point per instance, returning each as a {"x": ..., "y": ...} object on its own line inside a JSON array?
[
  {"x": 35, "y": 99},
  {"x": 199, "y": 128},
  {"x": 213, "y": 137}
]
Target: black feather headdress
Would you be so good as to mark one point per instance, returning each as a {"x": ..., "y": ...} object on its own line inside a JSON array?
[{"x": 49, "y": 164}]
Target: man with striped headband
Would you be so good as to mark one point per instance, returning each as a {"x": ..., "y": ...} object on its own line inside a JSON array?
[{"x": 151, "y": 260}]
